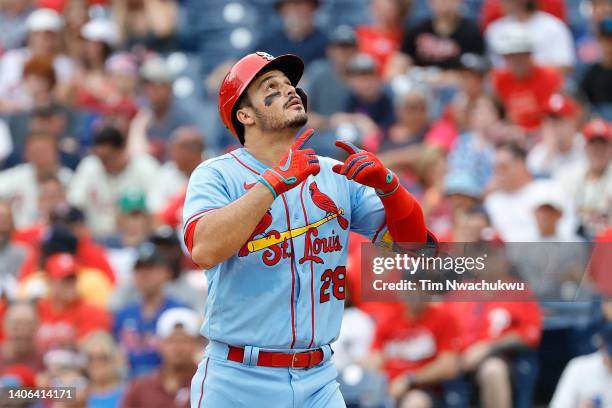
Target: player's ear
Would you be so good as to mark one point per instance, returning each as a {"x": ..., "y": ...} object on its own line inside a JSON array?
[{"x": 246, "y": 116}]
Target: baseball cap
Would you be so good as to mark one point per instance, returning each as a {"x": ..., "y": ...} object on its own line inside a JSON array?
[
  {"x": 147, "y": 254},
  {"x": 606, "y": 337},
  {"x": 361, "y": 64},
  {"x": 343, "y": 35},
  {"x": 101, "y": 30},
  {"x": 45, "y": 19},
  {"x": 597, "y": 128},
  {"x": 156, "y": 69},
  {"x": 559, "y": 105},
  {"x": 462, "y": 183},
  {"x": 60, "y": 266},
  {"x": 549, "y": 195},
  {"x": 165, "y": 235},
  {"x": 474, "y": 62},
  {"x": 514, "y": 39},
  {"x": 66, "y": 214},
  {"x": 131, "y": 202},
  {"x": 178, "y": 317},
  {"x": 122, "y": 63},
  {"x": 605, "y": 27}
]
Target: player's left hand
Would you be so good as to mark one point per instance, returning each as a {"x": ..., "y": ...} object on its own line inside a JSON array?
[{"x": 367, "y": 169}]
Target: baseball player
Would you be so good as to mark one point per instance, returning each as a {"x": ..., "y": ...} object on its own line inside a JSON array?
[{"x": 270, "y": 224}]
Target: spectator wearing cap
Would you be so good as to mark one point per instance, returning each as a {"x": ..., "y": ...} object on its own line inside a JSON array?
[
  {"x": 13, "y": 17},
  {"x": 493, "y": 10},
  {"x": 65, "y": 317},
  {"x": 20, "y": 184},
  {"x": 155, "y": 123},
  {"x": 134, "y": 222},
  {"x": 298, "y": 34},
  {"x": 369, "y": 108},
  {"x": 179, "y": 343},
  {"x": 185, "y": 151},
  {"x": 589, "y": 184},
  {"x": 462, "y": 194},
  {"x": 12, "y": 253},
  {"x": 91, "y": 85},
  {"x": 586, "y": 379},
  {"x": 44, "y": 29},
  {"x": 382, "y": 39},
  {"x": 549, "y": 206},
  {"x": 543, "y": 29},
  {"x": 20, "y": 325},
  {"x": 151, "y": 24},
  {"x": 597, "y": 81},
  {"x": 439, "y": 41},
  {"x": 66, "y": 226},
  {"x": 135, "y": 323},
  {"x": 560, "y": 144},
  {"x": 326, "y": 82},
  {"x": 105, "y": 369},
  {"x": 523, "y": 86},
  {"x": 104, "y": 176}
]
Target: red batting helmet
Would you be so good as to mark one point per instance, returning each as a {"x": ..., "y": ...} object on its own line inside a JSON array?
[{"x": 243, "y": 73}]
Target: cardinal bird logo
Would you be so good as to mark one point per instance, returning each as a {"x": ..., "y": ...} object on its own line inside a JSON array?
[
  {"x": 325, "y": 203},
  {"x": 263, "y": 225}
]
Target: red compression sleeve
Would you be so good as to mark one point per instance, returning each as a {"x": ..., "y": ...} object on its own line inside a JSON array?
[{"x": 405, "y": 219}]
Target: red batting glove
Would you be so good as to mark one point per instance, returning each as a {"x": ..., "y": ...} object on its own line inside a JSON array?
[
  {"x": 365, "y": 168},
  {"x": 295, "y": 166}
]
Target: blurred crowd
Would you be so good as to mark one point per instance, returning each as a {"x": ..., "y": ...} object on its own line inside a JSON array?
[{"x": 496, "y": 114}]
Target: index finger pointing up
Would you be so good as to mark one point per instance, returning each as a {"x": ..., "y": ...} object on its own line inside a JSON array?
[{"x": 348, "y": 147}]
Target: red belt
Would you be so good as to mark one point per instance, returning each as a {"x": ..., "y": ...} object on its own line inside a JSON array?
[{"x": 306, "y": 359}]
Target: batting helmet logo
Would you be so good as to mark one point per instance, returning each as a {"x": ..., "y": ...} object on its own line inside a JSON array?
[
  {"x": 243, "y": 73},
  {"x": 265, "y": 55}
]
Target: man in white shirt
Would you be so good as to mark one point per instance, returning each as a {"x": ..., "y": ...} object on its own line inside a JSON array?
[
  {"x": 552, "y": 40},
  {"x": 560, "y": 145},
  {"x": 589, "y": 184},
  {"x": 103, "y": 177},
  {"x": 20, "y": 184},
  {"x": 587, "y": 380},
  {"x": 511, "y": 206},
  {"x": 185, "y": 150}
]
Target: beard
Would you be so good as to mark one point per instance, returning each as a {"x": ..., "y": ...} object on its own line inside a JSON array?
[{"x": 270, "y": 123}]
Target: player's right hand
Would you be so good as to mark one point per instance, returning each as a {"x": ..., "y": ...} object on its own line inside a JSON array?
[{"x": 295, "y": 166}]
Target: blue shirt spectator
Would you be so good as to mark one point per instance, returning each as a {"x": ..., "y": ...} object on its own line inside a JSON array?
[{"x": 135, "y": 324}]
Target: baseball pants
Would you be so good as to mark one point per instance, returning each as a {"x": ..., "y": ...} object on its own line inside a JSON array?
[{"x": 220, "y": 383}]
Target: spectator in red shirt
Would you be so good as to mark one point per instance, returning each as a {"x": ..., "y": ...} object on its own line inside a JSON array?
[
  {"x": 417, "y": 349},
  {"x": 524, "y": 87},
  {"x": 19, "y": 344},
  {"x": 383, "y": 37},
  {"x": 169, "y": 387},
  {"x": 494, "y": 331},
  {"x": 88, "y": 253},
  {"x": 65, "y": 317}
]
